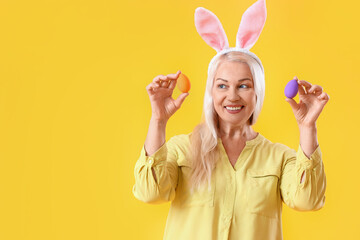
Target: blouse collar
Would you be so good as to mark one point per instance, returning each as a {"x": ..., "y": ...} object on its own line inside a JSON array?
[{"x": 251, "y": 142}]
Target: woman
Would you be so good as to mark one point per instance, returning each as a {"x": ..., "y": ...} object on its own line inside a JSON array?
[{"x": 247, "y": 176}]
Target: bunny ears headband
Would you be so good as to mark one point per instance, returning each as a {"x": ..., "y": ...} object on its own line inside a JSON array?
[{"x": 212, "y": 32}]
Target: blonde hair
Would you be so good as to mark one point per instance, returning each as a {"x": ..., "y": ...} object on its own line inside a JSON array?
[{"x": 204, "y": 138}]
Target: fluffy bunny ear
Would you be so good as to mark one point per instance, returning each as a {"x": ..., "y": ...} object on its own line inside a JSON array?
[
  {"x": 251, "y": 25},
  {"x": 210, "y": 29}
]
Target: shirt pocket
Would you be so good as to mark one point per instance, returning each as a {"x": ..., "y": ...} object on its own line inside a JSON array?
[{"x": 262, "y": 194}]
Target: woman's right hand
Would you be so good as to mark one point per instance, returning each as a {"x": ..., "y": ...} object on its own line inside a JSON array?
[{"x": 160, "y": 93}]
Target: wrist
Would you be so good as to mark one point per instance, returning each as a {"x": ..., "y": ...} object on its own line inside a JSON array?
[
  {"x": 307, "y": 126},
  {"x": 158, "y": 122},
  {"x": 308, "y": 138},
  {"x": 308, "y": 130}
]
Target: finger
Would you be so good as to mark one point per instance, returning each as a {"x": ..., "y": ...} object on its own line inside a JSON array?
[
  {"x": 170, "y": 78},
  {"x": 180, "y": 99},
  {"x": 172, "y": 84},
  {"x": 316, "y": 89},
  {"x": 292, "y": 103},
  {"x": 149, "y": 89},
  {"x": 301, "y": 89},
  {"x": 153, "y": 87},
  {"x": 323, "y": 96},
  {"x": 162, "y": 77},
  {"x": 306, "y": 84},
  {"x": 158, "y": 78},
  {"x": 150, "y": 86},
  {"x": 174, "y": 75},
  {"x": 164, "y": 83}
]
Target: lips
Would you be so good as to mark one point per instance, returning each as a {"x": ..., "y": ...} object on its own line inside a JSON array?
[{"x": 234, "y": 107}]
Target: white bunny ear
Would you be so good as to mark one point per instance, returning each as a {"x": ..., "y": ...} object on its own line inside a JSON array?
[
  {"x": 210, "y": 29},
  {"x": 251, "y": 25}
]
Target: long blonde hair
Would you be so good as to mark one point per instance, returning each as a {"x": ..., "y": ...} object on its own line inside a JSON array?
[{"x": 204, "y": 138}]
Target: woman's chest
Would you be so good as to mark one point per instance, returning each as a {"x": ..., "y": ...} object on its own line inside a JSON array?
[
  {"x": 247, "y": 190},
  {"x": 233, "y": 151}
]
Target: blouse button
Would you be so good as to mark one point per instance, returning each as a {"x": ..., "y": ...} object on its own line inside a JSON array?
[{"x": 150, "y": 161}]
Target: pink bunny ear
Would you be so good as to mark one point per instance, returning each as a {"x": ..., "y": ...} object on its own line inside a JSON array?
[
  {"x": 251, "y": 25},
  {"x": 210, "y": 29}
]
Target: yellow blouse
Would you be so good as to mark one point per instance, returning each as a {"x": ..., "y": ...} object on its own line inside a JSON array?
[{"x": 244, "y": 201}]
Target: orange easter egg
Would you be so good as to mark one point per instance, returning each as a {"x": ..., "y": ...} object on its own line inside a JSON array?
[{"x": 183, "y": 83}]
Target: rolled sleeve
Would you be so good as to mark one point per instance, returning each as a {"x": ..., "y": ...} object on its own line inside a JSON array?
[
  {"x": 309, "y": 194},
  {"x": 304, "y": 162},
  {"x": 156, "y": 158},
  {"x": 164, "y": 163}
]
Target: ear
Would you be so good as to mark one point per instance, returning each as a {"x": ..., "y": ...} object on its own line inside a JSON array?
[
  {"x": 210, "y": 29},
  {"x": 251, "y": 25}
]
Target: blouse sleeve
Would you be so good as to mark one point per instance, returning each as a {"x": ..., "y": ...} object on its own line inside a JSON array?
[
  {"x": 164, "y": 162},
  {"x": 308, "y": 195}
]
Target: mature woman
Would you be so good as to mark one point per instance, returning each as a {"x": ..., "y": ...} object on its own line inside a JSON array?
[{"x": 224, "y": 180}]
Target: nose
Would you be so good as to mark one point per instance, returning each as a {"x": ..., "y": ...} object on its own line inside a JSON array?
[{"x": 233, "y": 95}]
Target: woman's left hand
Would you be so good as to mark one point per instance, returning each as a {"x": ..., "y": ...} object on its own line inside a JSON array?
[{"x": 310, "y": 105}]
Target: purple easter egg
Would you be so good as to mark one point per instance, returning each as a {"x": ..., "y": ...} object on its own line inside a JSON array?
[{"x": 291, "y": 89}]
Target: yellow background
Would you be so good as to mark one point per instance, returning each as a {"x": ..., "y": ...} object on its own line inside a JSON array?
[{"x": 74, "y": 111}]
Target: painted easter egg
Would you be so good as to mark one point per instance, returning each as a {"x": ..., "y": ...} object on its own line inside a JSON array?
[
  {"x": 183, "y": 83},
  {"x": 291, "y": 89}
]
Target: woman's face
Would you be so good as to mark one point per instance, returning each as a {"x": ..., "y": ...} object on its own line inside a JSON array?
[{"x": 233, "y": 93}]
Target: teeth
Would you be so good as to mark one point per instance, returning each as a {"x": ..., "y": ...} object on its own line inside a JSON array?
[{"x": 234, "y": 108}]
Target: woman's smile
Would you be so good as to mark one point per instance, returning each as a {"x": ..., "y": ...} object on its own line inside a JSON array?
[{"x": 233, "y": 109}]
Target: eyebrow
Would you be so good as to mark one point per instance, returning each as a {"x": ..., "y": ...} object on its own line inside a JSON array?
[{"x": 243, "y": 79}]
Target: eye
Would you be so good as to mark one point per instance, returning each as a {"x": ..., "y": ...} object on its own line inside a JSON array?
[
  {"x": 243, "y": 86},
  {"x": 221, "y": 86}
]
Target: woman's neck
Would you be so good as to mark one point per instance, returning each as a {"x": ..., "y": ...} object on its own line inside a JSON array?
[{"x": 244, "y": 132}]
